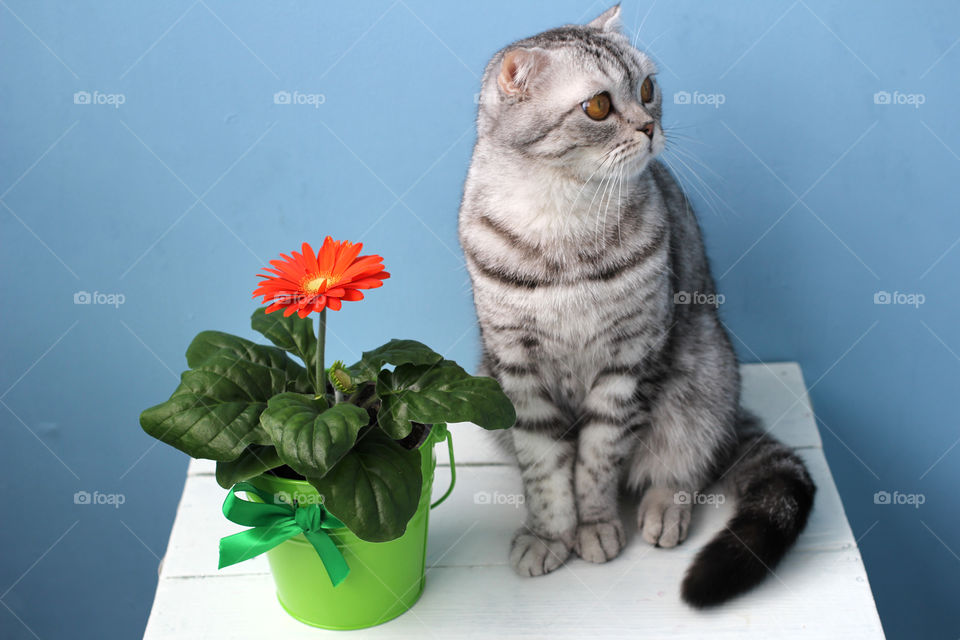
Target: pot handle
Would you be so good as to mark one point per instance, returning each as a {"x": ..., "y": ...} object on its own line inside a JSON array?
[{"x": 453, "y": 472}]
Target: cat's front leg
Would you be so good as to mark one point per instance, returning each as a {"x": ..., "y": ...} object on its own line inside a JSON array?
[
  {"x": 692, "y": 421},
  {"x": 600, "y": 535},
  {"x": 546, "y": 466},
  {"x": 612, "y": 410}
]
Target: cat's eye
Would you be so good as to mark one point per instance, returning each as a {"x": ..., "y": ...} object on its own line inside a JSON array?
[
  {"x": 598, "y": 107},
  {"x": 646, "y": 90}
]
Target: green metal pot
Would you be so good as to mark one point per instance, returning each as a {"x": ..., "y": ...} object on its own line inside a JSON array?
[{"x": 386, "y": 578}]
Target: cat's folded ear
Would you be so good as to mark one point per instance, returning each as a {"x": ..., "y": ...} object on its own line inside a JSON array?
[
  {"x": 519, "y": 68},
  {"x": 609, "y": 20}
]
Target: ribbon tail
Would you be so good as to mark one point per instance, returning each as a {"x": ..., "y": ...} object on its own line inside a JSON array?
[
  {"x": 331, "y": 556},
  {"x": 252, "y": 542}
]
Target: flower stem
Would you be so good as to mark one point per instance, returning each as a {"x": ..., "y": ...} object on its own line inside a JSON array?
[{"x": 321, "y": 370}]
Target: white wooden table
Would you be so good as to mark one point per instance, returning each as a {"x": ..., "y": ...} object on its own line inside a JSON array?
[{"x": 820, "y": 590}]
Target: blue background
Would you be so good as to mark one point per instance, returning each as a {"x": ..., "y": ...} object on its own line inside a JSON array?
[{"x": 813, "y": 198}]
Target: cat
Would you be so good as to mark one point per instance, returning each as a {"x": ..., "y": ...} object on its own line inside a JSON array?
[{"x": 596, "y": 312}]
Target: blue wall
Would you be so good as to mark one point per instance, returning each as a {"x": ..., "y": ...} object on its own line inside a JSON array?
[{"x": 813, "y": 197}]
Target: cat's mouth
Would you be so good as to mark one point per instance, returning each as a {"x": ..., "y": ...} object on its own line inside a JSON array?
[{"x": 635, "y": 155}]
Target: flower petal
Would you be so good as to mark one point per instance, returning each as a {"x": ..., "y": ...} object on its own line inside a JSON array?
[{"x": 351, "y": 295}]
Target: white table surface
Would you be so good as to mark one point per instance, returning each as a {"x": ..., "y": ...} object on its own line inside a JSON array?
[{"x": 820, "y": 590}]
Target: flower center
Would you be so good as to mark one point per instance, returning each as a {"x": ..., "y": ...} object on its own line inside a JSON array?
[{"x": 313, "y": 284}]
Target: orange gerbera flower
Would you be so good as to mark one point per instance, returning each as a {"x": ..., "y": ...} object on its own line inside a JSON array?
[{"x": 307, "y": 282}]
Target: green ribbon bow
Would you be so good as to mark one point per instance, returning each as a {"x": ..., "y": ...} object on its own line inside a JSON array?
[{"x": 275, "y": 521}]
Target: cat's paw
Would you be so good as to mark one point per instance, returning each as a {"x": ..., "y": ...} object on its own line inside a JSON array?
[
  {"x": 531, "y": 555},
  {"x": 664, "y": 516},
  {"x": 600, "y": 541}
]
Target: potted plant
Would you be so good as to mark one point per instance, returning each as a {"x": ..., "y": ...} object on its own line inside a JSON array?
[{"x": 336, "y": 462}]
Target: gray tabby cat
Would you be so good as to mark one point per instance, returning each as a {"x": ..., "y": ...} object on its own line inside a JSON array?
[{"x": 579, "y": 244}]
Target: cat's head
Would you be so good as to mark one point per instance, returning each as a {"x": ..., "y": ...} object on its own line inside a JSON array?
[{"x": 580, "y": 97}]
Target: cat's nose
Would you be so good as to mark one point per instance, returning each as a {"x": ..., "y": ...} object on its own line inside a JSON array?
[{"x": 647, "y": 128}]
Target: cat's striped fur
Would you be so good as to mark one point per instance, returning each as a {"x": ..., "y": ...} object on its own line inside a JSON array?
[{"x": 580, "y": 246}]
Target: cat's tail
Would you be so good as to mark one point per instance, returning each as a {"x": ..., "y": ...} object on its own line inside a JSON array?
[{"x": 774, "y": 498}]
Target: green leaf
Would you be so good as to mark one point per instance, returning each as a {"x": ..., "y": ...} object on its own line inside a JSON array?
[
  {"x": 374, "y": 489},
  {"x": 253, "y": 461},
  {"x": 203, "y": 426},
  {"x": 231, "y": 378},
  {"x": 292, "y": 334},
  {"x": 309, "y": 437},
  {"x": 210, "y": 343},
  {"x": 395, "y": 352},
  {"x": 439, "y": 393},
  {"x": 215, "y": 411}
]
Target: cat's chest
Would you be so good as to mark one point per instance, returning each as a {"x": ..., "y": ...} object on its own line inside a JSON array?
[
  {"x": 570, "y": 312},
  {"x": 558, "y": 219},
  {"x": 567, "y": 264},
  {"x": 583, "y": 318}
]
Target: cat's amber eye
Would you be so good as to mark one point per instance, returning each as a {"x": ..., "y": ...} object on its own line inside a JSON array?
[
  {"x": 646, "y": 90},
  {"x": 598, "y": 107}
]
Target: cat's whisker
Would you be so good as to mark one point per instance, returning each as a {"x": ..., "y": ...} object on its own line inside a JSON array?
[
  {"x": 715, "y": 197},
  {"x": 694, "y": 159},
  {"x": 601, "y": 235},
  {"x": 685, "y": 182},
  {"x": 636, "y": 37},
  {"x": 619, "y": 208},
  {"x": 687, "y": 162},
  {"x": 607, "y": 208},
  {"x": 673, "y": 138},
  {"x": 672, "y": 131},
  {"x": 689, "y": 155},
  {"x": 609, "y": 156},
  {"x": 683, "y": 174},
  {"x": 605, "y": 203},
  {"x": 606, "y": 183},
  {"x": 603, "y": 160},
  {"x": 648, "y": 46}
]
